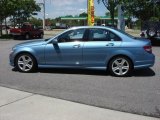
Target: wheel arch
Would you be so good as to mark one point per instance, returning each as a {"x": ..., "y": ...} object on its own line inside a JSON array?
[
  {"x": 25, "y": 52},
  {"x": 120, "y": 55}
]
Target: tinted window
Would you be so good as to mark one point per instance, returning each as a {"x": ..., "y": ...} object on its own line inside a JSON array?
[
  {"x": 73, "y": 35},
  {"x": 34, "y": 27},
  {"x": 113, "y": 37},
  {"x": 102, "y": 35},
  {"x": 124, "y": 33},
  {"x": 98, "y": 35},
  {"x": 24, "y": 26}
]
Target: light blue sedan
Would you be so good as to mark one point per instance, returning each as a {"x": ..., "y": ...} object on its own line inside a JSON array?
[{"x": 85, "y": 47}]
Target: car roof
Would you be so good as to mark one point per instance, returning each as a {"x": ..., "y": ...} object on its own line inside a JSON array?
[{"x": 102, "y": 27}]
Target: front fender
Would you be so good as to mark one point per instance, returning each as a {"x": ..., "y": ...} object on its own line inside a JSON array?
[{"x": 35, "y": 51}]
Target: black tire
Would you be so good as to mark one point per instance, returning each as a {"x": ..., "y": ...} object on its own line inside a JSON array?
[
  {"x": 15, "y": 37},
  {"x": 25, "y": 63},
  {"x": 27, "y": 36},
  {"x": 151, "y": 33},
  {"x": 120, "y": 66}
]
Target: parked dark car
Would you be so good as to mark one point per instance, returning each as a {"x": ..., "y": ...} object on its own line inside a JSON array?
[
  {"x": 27, "y": 31},
  {"x": 151, "y": 30}
]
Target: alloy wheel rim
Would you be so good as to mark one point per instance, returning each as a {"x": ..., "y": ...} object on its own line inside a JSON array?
[
  {"x": 25, "y": 63},
  {"x": 120, "y": 66}
]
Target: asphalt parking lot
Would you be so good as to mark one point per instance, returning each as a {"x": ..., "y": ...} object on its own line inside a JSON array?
[{"x": 138, "y": 94}]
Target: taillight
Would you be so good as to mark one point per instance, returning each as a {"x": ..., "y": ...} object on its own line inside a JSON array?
[{"x": 148, "y": 49}]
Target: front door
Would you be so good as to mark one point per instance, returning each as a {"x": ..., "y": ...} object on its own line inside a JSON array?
[{"x": 67, "y": 51}]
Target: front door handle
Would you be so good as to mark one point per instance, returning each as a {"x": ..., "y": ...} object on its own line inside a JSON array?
[
  {"x": 110, "y": 44},
  {"x": 76, "y": 46}
]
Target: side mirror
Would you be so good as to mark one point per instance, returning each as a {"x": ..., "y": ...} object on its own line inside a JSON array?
[{"x": 54, "y": 42}]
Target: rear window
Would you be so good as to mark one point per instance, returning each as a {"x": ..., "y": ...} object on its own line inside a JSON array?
[
  {"x": 125, "y": 33},
  {"x": 96, "y": 34}
]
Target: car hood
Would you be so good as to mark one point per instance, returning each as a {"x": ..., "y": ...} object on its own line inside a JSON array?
[{"x": 31, "y": 43}]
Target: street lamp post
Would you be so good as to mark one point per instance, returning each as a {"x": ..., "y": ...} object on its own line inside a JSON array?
[
  {"x": 44, "y": 16},
  {"x": 121, "y": 20}
]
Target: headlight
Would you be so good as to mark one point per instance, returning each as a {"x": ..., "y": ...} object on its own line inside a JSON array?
[{"x": 13, "y": 49}]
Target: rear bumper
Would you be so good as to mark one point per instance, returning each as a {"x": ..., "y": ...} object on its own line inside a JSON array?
[{"x": 145, "y": 63}]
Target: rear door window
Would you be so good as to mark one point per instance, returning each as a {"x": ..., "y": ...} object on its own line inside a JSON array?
[{"x": 97, "y": 34}]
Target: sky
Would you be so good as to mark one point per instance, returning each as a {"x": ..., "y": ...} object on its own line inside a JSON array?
[{"x": 56, "y": 8}]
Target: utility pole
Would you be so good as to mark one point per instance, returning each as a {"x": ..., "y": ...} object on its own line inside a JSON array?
[
  {"x": 44, "y": 16},
  {"x": 121, "y": 20},
  {"x": 44, "y": 13}
]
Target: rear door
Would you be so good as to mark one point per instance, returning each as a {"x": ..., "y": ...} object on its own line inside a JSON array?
[{"x": 100, "y": 46}]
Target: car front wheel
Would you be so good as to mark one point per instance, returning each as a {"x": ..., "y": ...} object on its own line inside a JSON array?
[
  {"x": 120, "y": 66},
  {"x": 25, "y": 63}
]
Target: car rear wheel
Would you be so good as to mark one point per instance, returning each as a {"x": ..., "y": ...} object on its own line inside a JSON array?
[
  {"x": 25, "y": 63},
  {"x": 120, "y": 66}
]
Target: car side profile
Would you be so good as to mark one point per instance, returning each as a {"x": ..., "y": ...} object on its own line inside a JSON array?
[{"x": 95, "y": 47}]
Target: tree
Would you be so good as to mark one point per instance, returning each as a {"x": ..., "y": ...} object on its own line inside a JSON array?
[
  {"x": 35, "y": 21},
  {"x": 24, "y": 9},
  {"x": 142, "y": 9},
  {"x": 110, "y": 5},
  {"x": 84, "y": 14},
  {"x": 68, "y": 16},
  {"x": 4, "y": 12},
  {"x": 20, "y": 10}
]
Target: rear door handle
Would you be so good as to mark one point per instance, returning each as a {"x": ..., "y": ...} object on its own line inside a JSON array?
[
  {"x": 76, "y": 46},
  {"x": 110, "y": 44}
]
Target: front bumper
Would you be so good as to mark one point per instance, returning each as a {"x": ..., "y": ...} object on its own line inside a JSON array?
[
  {"x": 15, "y": 34},
  {"x": 11, "y": 59}
]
